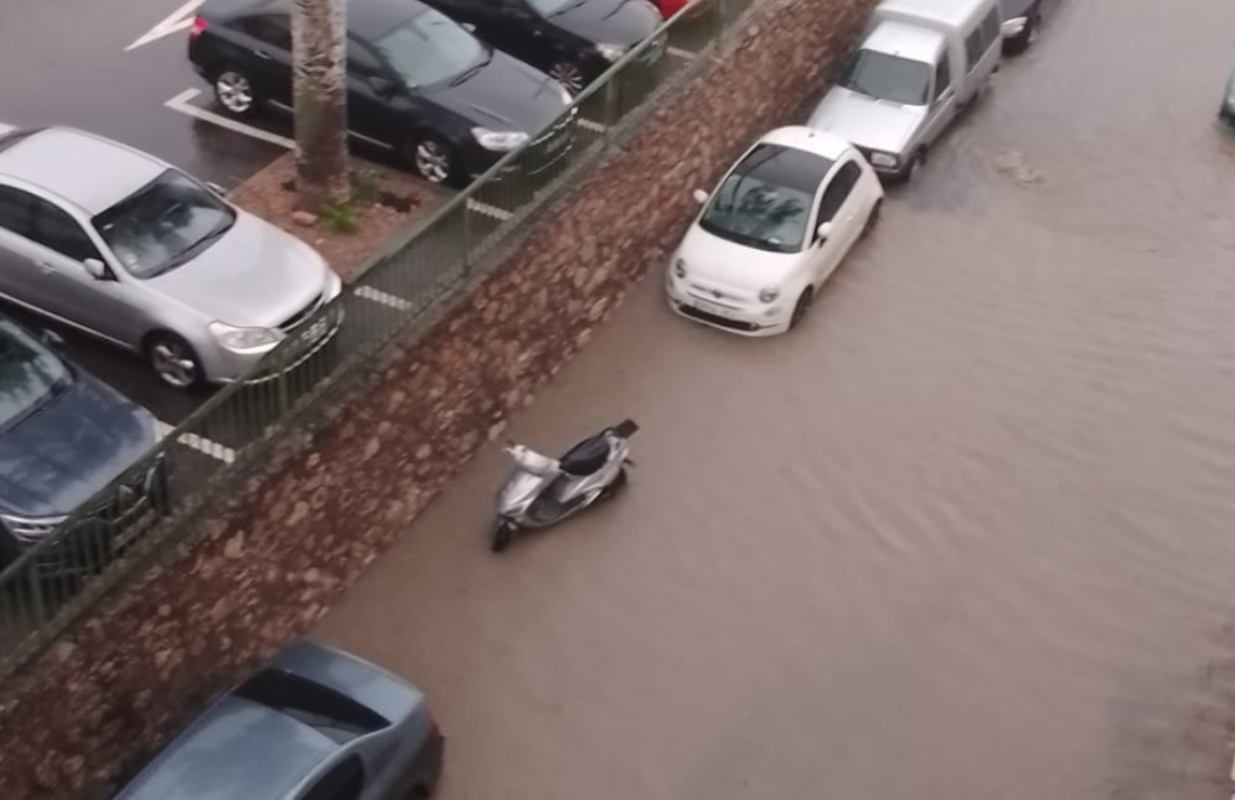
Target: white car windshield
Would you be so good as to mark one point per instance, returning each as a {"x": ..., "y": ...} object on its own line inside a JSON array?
[
  {"x": 164, "y": 224},
  {"x": 765, "y": 202},
  {"x": 888, "y": 77},
  {"x": 29, "y": 373},
  {"x": 430, "y": 48}
]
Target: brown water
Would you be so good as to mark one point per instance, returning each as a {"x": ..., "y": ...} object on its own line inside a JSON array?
[{"x": 967, "y": 534}]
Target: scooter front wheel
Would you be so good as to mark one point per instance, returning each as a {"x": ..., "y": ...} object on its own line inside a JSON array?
[{"x": 503, "y": 532}]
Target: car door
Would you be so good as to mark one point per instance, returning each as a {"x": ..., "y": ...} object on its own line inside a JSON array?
[
  {"x": 108, "y": 306},
  {"x": 507, "y": 25},
  {"x": 943, "y": 100},
  {"x": 19, "y": 272},
  {"x": 268, "y": 38},
  {"x": 840, "y": 207},
  {"x": 372, "y": 89},
  {"x": 343, "y": 781}
]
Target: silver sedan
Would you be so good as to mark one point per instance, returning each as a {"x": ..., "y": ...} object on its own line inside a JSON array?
[{"x": 128, "y": 248}]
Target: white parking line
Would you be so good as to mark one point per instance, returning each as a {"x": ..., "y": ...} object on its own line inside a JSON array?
[
  {"x": 200, "y": 443},
  {"x": 181, "y": 103},
  {"x": 591, "y": 125},
  {"x": 385, "y": 298},
  {"x": 678, "y": 52},
  {"x": 488, "y": 210},
  {"x": 178, "y": 20}
]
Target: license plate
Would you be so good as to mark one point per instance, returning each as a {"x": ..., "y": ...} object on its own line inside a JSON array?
[
  {"x": 556, "y": 144},
  {"x": 317, "y": 330},
  {"x": 714, "y": 308}
]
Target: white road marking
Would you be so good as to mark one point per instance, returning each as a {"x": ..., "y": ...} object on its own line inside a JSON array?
[
  {"x": 178, "y": 20},
  {"x": 200, "y": 443},
  {"x": 591, "y": 125},
  {"x": 678, "y": 52},
  {"x": 181, "y": 103},
  {"x": 385, "y": 298},
  {"x": 488, "y": 210}
]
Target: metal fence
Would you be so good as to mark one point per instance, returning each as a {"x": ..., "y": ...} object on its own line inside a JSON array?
[{"x": 150, "y": 506}]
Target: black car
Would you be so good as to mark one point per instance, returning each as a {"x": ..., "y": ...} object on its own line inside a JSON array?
[
  {"x": 572, "y": 40},
  {"x": 418, "y": 83},
  {"x": 64, "y": 436}
]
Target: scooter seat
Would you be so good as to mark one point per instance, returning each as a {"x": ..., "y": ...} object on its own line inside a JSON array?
[{"x": 587, "y": 457}]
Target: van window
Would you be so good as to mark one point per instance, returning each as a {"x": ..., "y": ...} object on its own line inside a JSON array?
[
  {"x": 980, "y": 39},
  {"x": 943, "y": 76}
]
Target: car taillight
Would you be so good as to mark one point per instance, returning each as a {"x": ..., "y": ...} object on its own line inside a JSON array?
[{"x": 195, "y": 30}]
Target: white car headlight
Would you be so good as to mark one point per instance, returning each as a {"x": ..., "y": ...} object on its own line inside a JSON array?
[
  {"x": 679, "y": 268},
  {"x": 244, "y": 340},
  {"x": 884, "y": 160},
  {"x": 500, "y": 141},
  {"x": 769, "y": 293},
  {"x": 610, "y": 52}
]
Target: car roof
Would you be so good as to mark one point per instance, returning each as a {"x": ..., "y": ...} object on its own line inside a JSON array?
[
  {"x": 953, "y": 12},
  {"x": 810, "y": 140},
  {"x": 368, "y": 19},
  {"x": 88, "y": 171},
  {"x": 907, "y": 41},
  {"x": 236, "y": 749}
]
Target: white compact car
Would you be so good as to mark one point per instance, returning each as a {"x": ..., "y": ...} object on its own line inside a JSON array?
[{"x": 780, "y": 222}]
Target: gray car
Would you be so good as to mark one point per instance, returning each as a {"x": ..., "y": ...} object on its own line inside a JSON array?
[
  {"x": 316, "y": 724},
  {"x": 126, "y": 247}
]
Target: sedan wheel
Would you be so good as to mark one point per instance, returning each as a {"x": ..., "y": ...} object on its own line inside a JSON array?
[
  {"x": 569, "y": 75},
  {"x": 234, "y": 91},
  {"x": 433, "y": 160},
  {"x": 174, "y": 361}
]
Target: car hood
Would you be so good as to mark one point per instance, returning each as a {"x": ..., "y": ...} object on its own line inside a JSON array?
[
  {"x": 621, "y": 22},
  {"x": 866, "y": 121},
  {"x": 716, "y": 263},
  {"x": 72, "y": 446},
  {"x": 255, "y": 275},
  {"x": 504, "y": 95}
]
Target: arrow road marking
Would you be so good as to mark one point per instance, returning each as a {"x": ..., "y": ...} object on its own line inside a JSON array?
[
  {"x": 178, "y": 20},
  {"x": 181, "y": 103}
]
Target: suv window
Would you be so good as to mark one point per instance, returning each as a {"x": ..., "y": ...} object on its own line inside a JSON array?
[
  {"x": 331, "y": 713},
  {"x": 54, "y": 228},
  {"x": 836, "y": 193},
  {"x": 982, "y": 37},
  {"x": 344, "y": 782},
  {"x": 269, "y": 28},
  {"x": 17, "y": 211},
  {"x": 943, "y": 75}
]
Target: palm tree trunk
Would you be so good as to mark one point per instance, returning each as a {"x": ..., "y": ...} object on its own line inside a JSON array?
[{"x": 319, "y": 39}]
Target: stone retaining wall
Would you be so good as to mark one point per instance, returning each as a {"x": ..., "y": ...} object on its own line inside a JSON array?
[{"x": 153, "y": 654}]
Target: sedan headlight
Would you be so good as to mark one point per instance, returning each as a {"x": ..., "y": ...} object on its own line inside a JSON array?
[
  {"x": 885, "y": 160},
  {"x": 500, "y": 141},
  {"x": 31, "y": 529},
  {"x": 769, "y": 293},
  {"x": 244, "y": 340},
  {"x": 679, "y": 268},
  {"x": 610, "y": 52}
]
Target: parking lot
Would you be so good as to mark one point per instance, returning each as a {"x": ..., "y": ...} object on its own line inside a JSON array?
[{"x": 126, "y": 76}]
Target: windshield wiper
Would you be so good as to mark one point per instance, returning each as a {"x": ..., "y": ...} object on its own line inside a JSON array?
[
  {"x": 472, "y": 70},
  {"x": 564, "y": 9},
  {"x": 192, "y": 250}
]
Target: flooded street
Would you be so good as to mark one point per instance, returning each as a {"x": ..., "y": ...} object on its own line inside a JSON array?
[{"x": 967, "y": 533}]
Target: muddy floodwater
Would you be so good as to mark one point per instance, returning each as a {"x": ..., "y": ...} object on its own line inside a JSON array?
[{"x": 969, "y": 533}]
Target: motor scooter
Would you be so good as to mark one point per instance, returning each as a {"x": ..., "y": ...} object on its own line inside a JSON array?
[{"x": 543, "y": 491}]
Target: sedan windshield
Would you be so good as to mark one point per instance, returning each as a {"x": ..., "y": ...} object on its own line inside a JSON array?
[
  {"x": 29, "y": 373},
  {"x": 888, "y": 77},
  {"x": 429, "y": 48},
  {"x": 164, "y": 224},
  {"x": 766, "y": 201}
]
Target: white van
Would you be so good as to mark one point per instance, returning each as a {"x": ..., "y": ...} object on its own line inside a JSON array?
[{"x": 921, "y": 61}]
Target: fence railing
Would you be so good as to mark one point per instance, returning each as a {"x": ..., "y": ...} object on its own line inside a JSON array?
[{"x": 61, "y": 573}]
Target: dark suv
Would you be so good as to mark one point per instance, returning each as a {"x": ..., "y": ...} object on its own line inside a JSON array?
[
  {"x": 64, "y": 436},
  {"x": 418, "y": 84}
]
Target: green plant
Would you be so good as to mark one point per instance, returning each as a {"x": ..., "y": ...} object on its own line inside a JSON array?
[
  {"x": 339, "y": 217},
  {"x": 365, "y": 185}
]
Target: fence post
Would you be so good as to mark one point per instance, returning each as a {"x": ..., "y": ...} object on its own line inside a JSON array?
[
  {"x": 37, "y": 606},
  {"x": 466, "y": 236},
  {"x": 610, "y": 99}
]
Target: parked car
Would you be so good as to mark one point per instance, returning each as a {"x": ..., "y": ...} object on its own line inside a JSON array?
[
  {"x": 316, "y": 724},
  {"x": 1226, "y": 111},
  {"x": 419, "y": 85},
  {"x": 572, "y": 40},
  {"x": 128, "y": 248},
  {"x": 1022, "y": 19},
  {"x": 921, "y": 62},
  {"x": 780, "y": 222},
  {"x": 64, "y": 437}
]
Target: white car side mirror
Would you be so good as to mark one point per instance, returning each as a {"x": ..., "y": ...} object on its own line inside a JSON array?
[
  {"x": 95, "y": 269},
  {"x": 700, "y": 196},
  {"x": 1014, "y": 27},
  {"x": 823, "y": 231}
]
